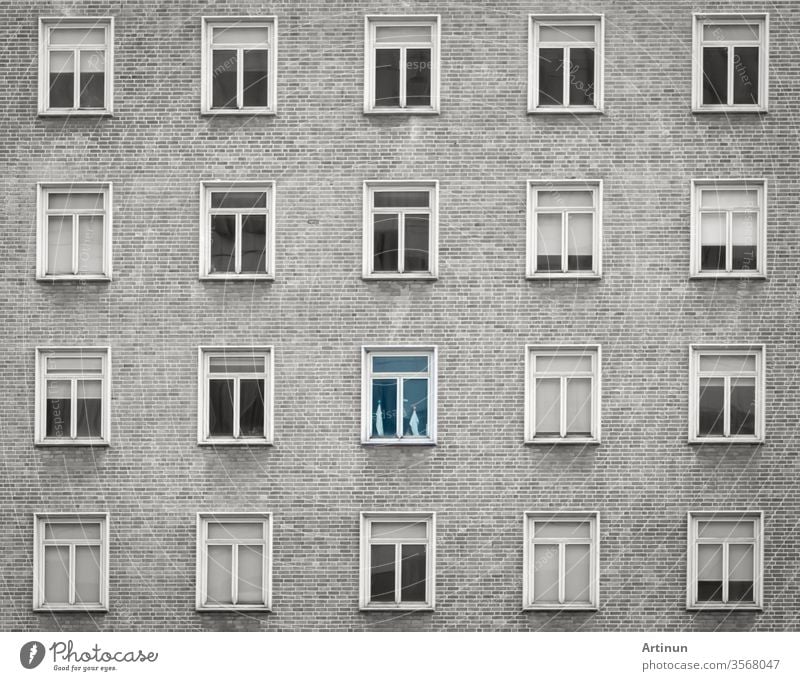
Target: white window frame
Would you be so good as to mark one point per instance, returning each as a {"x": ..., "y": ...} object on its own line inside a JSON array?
[
  {"x": 699, "y": 19},
  {"x": 529, "y": 518},
  {"x": 693, "y": 518},
  {"x": 366, "y": 518},
  {"x": 43, "y": 190},
  {"x": 531, "y": 351},
  {"x": 370, "y": 187},
  {"x": 537, "y": 20},
  {"x": 596, "y": 187},
  {"x": 39, "y": 542},
  {"x": 46, "y": 23},
  {"x": 203, "y": 520},
  {"x": 206, "y": 189},
  {"x": 40, "y": 428},
  {"x": 203, "y": 355},
  {"x": 369, "y": 351},
  {"x": 760, "y": 185},
  {"x": 206, "y": 88},
  {"x": 370, "y": 22},
  {"x": 695, "y": 351}
]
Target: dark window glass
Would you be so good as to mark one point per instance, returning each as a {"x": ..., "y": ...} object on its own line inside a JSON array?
[
  {"x": 92, "y": 90},
  {"x": 251, "y": 407},
  {"x": 220, "y": 406},
  {"x": 581, "y": 75},
  {"x": 61, "y": 90},
  {"x": 223, "y": 79},
  {"x": 393, "y": 199},
  {"x": 412, "y": 572},
  {"x": 89, "y": 409},
  {"x": 548, "y": 263},
  {"x": 712, "y": 398},
  {"x": 418, "y": 77},
  {"x": 384, "y": 407},
  {"x": 715, "y": 75},
  {"x": 743, "y": 406},
  {"x": 712, "y": 257},
  {"x": 745, "y": 75},
  {"x": 709, "y": 590},
  {"x": 740, "y": 591},
  {"x": 255, "y": 78},
  {"x": 416, "y": 250},
  {"x": 400, "y": 363},
  {"x": 579, "y": 262},
  {"x": 254, "y": 243},
  {"x": 382, "y": 573},
  {"x": 223, "y": 243},
  {"x": 58, "y": 417},
  {"x": 551, "y": 76},
  {"x": 744, "y": 257},
  {"x": 415, "y": 407},
  {"x": 387, "y": 77},
  {"x": 385, "y": 243},
  {"x": 238, "y": 199}
]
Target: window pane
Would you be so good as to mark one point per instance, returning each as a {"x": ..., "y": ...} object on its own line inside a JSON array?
[
  {"x": 418, "y": 77},
  {"x": 401, "y": 364},
  {"x": 548, "y": 407},
  {"x": 58, "y": 407},
  {"x": 59, "y": 244},
  {"x": 745, "y": 235},
  {"x": 251, "y": 407},
  {"x": 577, "y": 571},
  {"x": 256, "y": 78},
  {"x": 548, "y": 242},
  {"x": 220, "y": 407},
  {"x": 77, "y": 36},
  {"x": 382, "y": 572},
  {"x": 563, "y": 364},
  {"x": 730, "y": 32},
  {"x": 566, "y": 34},
  {"x": 254, "y": 243},
  {"x": 740, "y": 573},
  {"x": 74, "y": 531},
  {"x": 580, "y": 227},
  {"x": 251, "y": 577},
  {"x": 581, "y": 76},
  {"x": 223, "y": 243},
  {"x": 725, "y": 199},
  {"x": 743, "y": 406},
  {"x": 75, "y": 201},
  {"x": 417, "y": 243},
  {"x": 92, "y": 94},
  {"x": 726, "y": 529},
  {"x": 89, "y": 409},
  {"x": 415, "y": 407},
  {"x": 715, "y": 75},
  {"x": 403, "y": 34},
  {"x": 745, "y": 75},
  {"x": 401, "y": 199},
  {"x": 56, "y": 574},
  {"x": 241, "y": 364},
  {"x": 562, "y": 529},
  {"x": 238, "y": 199},
  {"x": 384, "y": 407},
  {"x": 87, "y": 574},
  {"x": 565, "y": 198},
  {"x": 727, "y": 363},
  {"x": 234, "y": 530},
  {"x": 411, "y": 529},
  {"x": 709, "y": 572},
  {"x": 241, "y": 35},
  {"x": 387, "y": 78},
  {"x": 385, "y": 243},
  {"x": 545, "y": 573},
  {"x": 223, "y": 79},
  {"x": 74, "y": 364},
  {"x": 412, "y": 572},
  {"x": 551, "y": 76},
  {"x": 218, "y": 575},
  {"x": 579, "y": 407},
  {"x": 713, "y": 237},
  {"x": 62, "y": 80},
  {"x": 90, "y": 244},
  {"x": 711, "y": 417}
]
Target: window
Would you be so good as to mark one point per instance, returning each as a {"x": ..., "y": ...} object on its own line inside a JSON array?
[
  {"x": 729, "y": 228},
  {"x": 727, "y": 393},
  {"x": 402, "y": 64},
  {"x": 76, "y": 66},
  {"x": 73, "y": 389},
  {"x": 564, "y": 226},
  {"x": 397, "y": 561},
  {"x": 724, "y": 561},
  {"x": 561, "y": 561},
  {"x": 234, "y": 561},
  {"x": 239, "y": 65},
  {"x": 238, "y": 228},
  {"x": 562, "y": 393},
  {"x": 566, "y": 64},
  {"x": 70, "y": 561},
  {"x": 730, "y": 62},
  {"x": 235, "y": 396},
  {"x": 399, "y": 395},
  {"x": 74, "y": 232},
  {"x": 400, "y": 230}
]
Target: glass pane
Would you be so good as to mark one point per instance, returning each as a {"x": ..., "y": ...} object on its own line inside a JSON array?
[
  {"x": 545, "y": 573},
  {"x": 415, "y": 407},
  {"x": 726, "y": 199},
  {"x": 401, "y": 199},
  {"x": 238, "y": 199},
  {"x": 412, "y": 572},
  {"x": 87, "y": 574},
  {"x": 385, "y": 243},
  {"x": 726, "y": 529},
  {"x": 403, "y": 34},
  {"x": 577, "y": 571},
  {"x": 220, "y": 407},
  {"x": 745, "y": 75},
  {"x": 566, "y": 34},
  {"x": 713, "y": 237},
  {"x": 715, "y": 75},
  {"x": 740, "y": 573},
  {"x": 235, "y": 531},
  {"x": 218, "y": 575},
  {"x": 581, "y": 76},
  {"x": 92, "y": 85},
  {"x": 745, "y": 236},
  {"x": 77, "y": 36},
  {"x": 256, "y": 78},
  {"x": 731, "y": 32},
  {"x": 59, "y": 244},
  {"x": 400, "y": 364},
  {"x": 712, "y": 399},
  {"x": 75, "y": 201},
  {"x": 548, "y": 242},
  {"x": 579, "y": 241},
  {"x": 387, "y": 78},
  {"x": 89, "y": 409},
  {"x": 563, "y": 364},
  {"x": 564, "y": 198},
  {"x": 59, "y": 412},
  {"x": 551, "y": 76},
  {"x": 62, "y": 80},
  {"x": 223, "y": 79},
  {"x": 251, "y": 575},
  {"x": 384, "y": 407},
  {"x": 562, "y": 529},
  {"x": 223, "y": 243},
  {"x": 251, "y": 407},
  {"x": 381, "y": 583},
  {"x": 237, "y": 364},
  {"x": 74, "y": 364},
  {"x": 90, "y": 244},
  {"x": 418, "y": 77},
  {"x": 56, "y": 574},
  {"x": 73, "y": 530},
  {"x": 241, "y": 35},
  {"x": 548, "y": 407},
  {"x": 727, "y": 363},
  {"x": 411, "y": 529},
  {"x": 743, "y": 406},
  {"x": 709, "y": 572},
  {"x": 579, "y": 407},
  {"x": 417, "y": 244},
  {"x": 254, "y": 243}
]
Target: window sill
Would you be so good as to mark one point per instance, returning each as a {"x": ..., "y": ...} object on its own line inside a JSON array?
[
  {"x": 238, "y": 112},
  {"x": 564, "y": 441},
  {"x": 726, "y": 440},
  {"x": 232, "y": 442},
  {"x": 398, "y": 443},
  {"x": 721, "y": 607},
  {"x": 76, "y": 114},
  {"x": 407, "y": 111},
  {"x": 234, "y": 609},
  {"x": 72, "y": 443},
  {"x": 593, "y": 276},
  {"x": 74, "y": 277},
  {"x": 237, "y": 277},
  {"x": 400, "y": 277},
  {"x": 566, "y": 110},
  {"x": 729, "y": 109},
  {"x": 557, "y": 608},
  {"x": 71, "y": 608},
  {"x": 728, "y": 275},
  {"x": 420, "y": 607}
]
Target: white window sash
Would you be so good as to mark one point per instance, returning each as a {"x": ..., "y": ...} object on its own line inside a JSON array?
[
  {"x": 399, "y": 376},
  {"x": 237, "y": 377}
]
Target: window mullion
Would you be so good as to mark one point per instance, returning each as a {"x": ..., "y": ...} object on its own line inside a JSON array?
[
  {"x": 564, "y": 241},
  {"x": 398, "y": 579},
  {"x": 725, "y": 567},
  {"x": 71, "y": 568},
  {"x": 729, "y": 241},
  {"x": 237, "y": 244},
  {"x": 234, "y": 574},
  {"x": 236, "y": 405},
  {"x": 402, "y": 75},
  {"x": 73, "y": 408},
  {"x": 730, "y": 75},
  {"x": 239, "y": 77},
  {"x": 75, "y": 237},
  {"x": 76, "y": 76},
  {"x": 566, "y": 64},
  {"x": 562, "y": 576},
  {"x": 399, "y": 410},
  {"x": 563, "y": 407},
  {"x": 726, "y": 406},
  {"x": 401, "y": 241}
]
